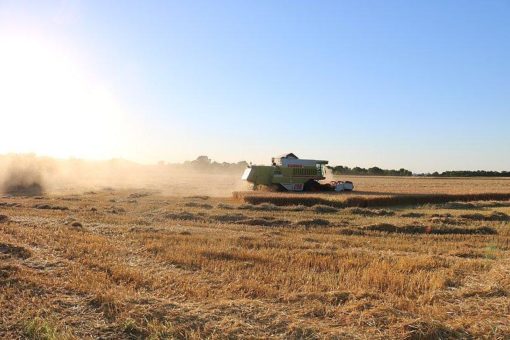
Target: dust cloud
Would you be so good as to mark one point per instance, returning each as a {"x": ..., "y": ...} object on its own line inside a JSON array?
[
  {"x": 22, "y": 176},
  {"x": 32, "y": 176},
  {"x": 328, "y": 174}
]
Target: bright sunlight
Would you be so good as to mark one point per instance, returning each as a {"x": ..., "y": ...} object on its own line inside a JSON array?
[{"x": 53, "y": 104}]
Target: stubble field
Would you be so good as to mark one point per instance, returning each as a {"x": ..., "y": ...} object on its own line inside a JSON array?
[{"x": 112, "y": 263}]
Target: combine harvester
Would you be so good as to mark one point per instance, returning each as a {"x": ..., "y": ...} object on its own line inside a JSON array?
[{"x": 289, "y": 173}]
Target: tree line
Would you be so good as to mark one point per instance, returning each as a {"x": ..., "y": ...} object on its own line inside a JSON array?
[
  {"x": 373, "y": 171},
  {"x": 205, "y": 164},
  {"x": 465, "y": 173},
  {"x": 376, "y": 171}
]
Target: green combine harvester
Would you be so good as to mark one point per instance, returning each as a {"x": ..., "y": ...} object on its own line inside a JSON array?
[{"x": 289, "y": 173}]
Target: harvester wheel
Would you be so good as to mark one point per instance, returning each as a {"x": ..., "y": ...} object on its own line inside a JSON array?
[{"x": 312, "y": 185}]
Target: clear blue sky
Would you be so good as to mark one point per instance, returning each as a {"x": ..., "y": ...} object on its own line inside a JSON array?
[{"x": 423, "y": 85}]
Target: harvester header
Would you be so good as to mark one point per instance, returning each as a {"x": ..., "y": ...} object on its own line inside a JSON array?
[{"x": 290, "y": 173}]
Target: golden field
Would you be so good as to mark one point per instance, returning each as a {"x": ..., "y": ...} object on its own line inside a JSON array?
[
  {"x": 428, "y": 185},
  {"x": 120, "y": 263}
]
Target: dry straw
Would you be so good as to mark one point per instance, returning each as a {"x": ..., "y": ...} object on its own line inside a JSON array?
[{"x": 365, "y": 201}]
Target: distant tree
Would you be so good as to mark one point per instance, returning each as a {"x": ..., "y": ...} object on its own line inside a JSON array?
[
  {"x": 359, "y": 171},
  {"x": 203, "y": 160},
  {"x": 205, "y": 164},
  {"x": 375, "y": 171}
]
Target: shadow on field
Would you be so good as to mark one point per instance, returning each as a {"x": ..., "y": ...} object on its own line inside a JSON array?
[
  {"x": 418, "y": 229},
  {"x": 367, "y": 202}
]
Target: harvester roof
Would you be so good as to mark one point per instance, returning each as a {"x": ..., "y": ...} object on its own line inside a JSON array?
[
  {"x": 291, "y": 159},
  {"x": 287, "y": 155}
]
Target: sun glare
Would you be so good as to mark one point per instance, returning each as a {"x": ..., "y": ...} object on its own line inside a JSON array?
[{"x": 50, "y": 104}]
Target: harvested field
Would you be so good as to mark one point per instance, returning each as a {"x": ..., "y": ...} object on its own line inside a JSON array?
[{"x": 208, "y": 267}]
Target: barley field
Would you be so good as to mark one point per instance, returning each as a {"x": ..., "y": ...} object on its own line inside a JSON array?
[{"x": 138, "y": 263}]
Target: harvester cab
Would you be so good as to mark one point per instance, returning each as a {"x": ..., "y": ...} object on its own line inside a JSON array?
[{"x": 290, "y": 173}]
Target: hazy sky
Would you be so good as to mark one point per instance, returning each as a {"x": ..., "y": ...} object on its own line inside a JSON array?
[{"x": 423, "y": 85}]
